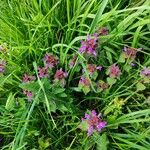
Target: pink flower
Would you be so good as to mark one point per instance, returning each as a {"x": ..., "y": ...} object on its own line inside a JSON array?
[
  {"x": 59, "y": 75},
  {"x": 50, "y": 60},
  {"x": 94, "y": 122},
  {"x": 2, "y": 66},
  {"x": 28, "y": 78},
  {"x": 114, "y": 71},
  {"x": 89, "y": 45},
  {"x": 43, "y": 72}
]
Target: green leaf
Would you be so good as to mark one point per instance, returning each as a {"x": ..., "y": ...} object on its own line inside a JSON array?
[
  {"x": 86, "y": 89},
  {"x": 121, "y": 58},
  {"x": 77, "y": 89},
  {"x": 10, "y": 103},
  {"x": 140, "y": 86},
  {"x": 58, "y": 90},
  {"x": 111, "y": 81},
  {"x": 52, "y": 106},
  {"x": 94, "y": 76},
  {"x": 127, "y": 68},
  {"x": 83, "y": 126},
  {"x": 101, "y": 141},
  {"x": 62, "y": 95}
]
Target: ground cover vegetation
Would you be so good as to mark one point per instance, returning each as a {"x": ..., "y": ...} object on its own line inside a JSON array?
[{"x": 74, "y": 75}]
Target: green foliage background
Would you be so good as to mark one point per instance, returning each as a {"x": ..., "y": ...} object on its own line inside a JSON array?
[{"x": 33, "y": 27}]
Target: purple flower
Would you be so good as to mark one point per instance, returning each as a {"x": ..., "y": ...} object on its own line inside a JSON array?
[
  {"x": 94, "y": 122},
  {"x": 93, "y": 113},
  {"x": 130, "y": 52},
  {"x": 145, "y": 72},
  {"x": 101, "y": 125},
  {"x": 90, "y": 130},
  {"x": 92, "y": 68},
  {"x": 132, "y": 64},
  {"x": 114, "y": 71},
  {"x": 28, "y": 78},
  {"x": 50, "y": 60},
  {"x": 99, "y": 68},
  {"x": 43, "y": 72},
  {"x": 87, "y": 116},
  {"x": 2, "y": 66},
  {"x": 89, "y": 45},
  {"x": 59, "y": 75}
]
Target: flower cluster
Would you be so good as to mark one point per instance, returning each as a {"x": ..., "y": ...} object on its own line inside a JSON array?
[
  {"x": 60, "y": 76},
  {"x": 89, "y": 45},
  {"x": 27, "y": 79},
  {"x": 94, "y": 122},
  {"x": 92, "y": 68},
  {"x": 50, "y": 60},
  {"x": 114, "y": 71},
  {"x": 130, "y": 52},
  {"x": 42, "y": 72},
  {"x": 2, "y": 66},
  {"x": 29, "y": 95}
]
